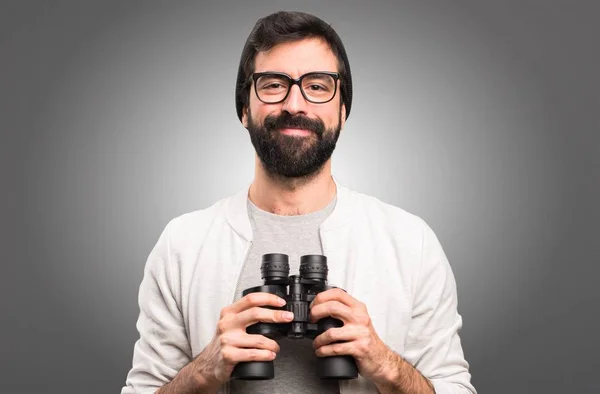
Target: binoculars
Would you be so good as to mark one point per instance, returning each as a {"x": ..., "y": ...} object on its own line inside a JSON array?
[{"x": 298, "y": 291}]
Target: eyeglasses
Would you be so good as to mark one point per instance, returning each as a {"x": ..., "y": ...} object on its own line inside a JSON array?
[{"x": 316, "y": 87}]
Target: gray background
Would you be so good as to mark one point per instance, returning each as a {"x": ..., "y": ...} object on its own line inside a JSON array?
[{"x": 480, "y": 117}]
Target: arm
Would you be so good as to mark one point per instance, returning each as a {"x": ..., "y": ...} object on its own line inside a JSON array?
[
  {"x": 402, "y": 377},
  {"x": 192, "y": 379},
  {"x": 433, "y": 344},
  {"x": 162, "y": 349},
  {"x": 162, "y": 357}
]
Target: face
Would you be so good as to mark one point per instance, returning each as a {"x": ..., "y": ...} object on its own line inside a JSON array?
[{"x": 295, "y": 138}]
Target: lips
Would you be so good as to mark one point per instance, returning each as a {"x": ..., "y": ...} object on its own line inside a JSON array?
[{"x": 296, "y": 132}]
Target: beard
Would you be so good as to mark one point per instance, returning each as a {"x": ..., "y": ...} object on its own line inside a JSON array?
[{"x": 293, "y": 156}]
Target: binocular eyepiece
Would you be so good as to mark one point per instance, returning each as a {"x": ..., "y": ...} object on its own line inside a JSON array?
[
  {"x": 275, "y": 267},
  {"x": 298, "y": 291}
]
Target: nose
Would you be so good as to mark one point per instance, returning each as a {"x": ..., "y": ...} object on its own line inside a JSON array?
[{"x": 295, "y": 102}]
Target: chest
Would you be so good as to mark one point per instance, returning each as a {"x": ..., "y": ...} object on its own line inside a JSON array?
[{"x": 376, "y": 269}]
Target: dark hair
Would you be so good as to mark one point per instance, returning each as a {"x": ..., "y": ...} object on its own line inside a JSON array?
[{"x": 282, "y": 27}]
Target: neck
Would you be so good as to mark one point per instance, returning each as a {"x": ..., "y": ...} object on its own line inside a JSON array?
[{"x": 292, "y": 196}]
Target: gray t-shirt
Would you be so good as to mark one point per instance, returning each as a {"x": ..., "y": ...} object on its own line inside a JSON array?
[{"x": 295, "y": 236}]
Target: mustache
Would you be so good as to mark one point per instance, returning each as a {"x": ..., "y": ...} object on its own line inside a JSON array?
[{"x": 285, "y": 120}]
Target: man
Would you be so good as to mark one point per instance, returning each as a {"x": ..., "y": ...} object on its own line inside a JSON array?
[{"x": 293, "y": 95}]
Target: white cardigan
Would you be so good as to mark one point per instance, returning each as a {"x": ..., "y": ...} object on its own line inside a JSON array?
[{"x": 380, "y": 254}]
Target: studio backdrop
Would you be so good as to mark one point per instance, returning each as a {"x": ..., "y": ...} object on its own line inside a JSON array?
[{"x": 479, "y": 117}]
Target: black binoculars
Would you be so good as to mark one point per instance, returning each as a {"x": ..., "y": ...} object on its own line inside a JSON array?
[{"x": 298, "y": 291}]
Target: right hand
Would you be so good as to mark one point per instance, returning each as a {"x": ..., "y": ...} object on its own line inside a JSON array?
[{"x": 232, "y": 345}]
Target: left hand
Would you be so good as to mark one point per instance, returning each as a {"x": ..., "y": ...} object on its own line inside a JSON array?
[{"x": 359, "y": 338}]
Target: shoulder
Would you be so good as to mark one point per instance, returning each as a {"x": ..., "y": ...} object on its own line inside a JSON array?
[
  {"x": 189, "y": 229},
  {"x": 407, "y": 232},
  {"x": 391, "y": 217}
]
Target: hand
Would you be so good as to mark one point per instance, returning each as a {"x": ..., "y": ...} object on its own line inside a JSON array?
[
  {"x": 359, "y": 338},
  {"x": 232, "y": 345}
]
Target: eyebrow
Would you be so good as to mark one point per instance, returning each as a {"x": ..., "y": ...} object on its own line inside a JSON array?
[{"x": 284, "y": 73}]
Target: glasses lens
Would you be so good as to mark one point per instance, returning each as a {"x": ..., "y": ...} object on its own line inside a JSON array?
[
  {"x": 318, "y": 87},
  {"x": 271, "y": 88}
]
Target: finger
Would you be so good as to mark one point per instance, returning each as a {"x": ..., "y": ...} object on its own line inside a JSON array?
[
  {"x": 255, "y": 299},
  {"x": 336, "y": 349},
  {"x": 264, "y": 315},
  {"x": 233, "y": 355},
  {"x": 249, "y": 341},
  {"x": 336, "y": 295},
  {"x": 337, "y": 334},
  {"x": 334, "y": 309}
]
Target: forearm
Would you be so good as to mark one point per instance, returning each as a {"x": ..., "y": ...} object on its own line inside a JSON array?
[
  {"x": 402, "y": 378},
  {"x": 191, "y": 379}
]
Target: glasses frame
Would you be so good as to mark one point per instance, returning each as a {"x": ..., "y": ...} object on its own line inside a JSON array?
[{"x": 297, "y": 81}]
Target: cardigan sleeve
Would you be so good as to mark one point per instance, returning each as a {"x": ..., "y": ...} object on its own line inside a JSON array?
[
  {"x": 433, "y": 344},
  {"x": 163, "y": 347}
]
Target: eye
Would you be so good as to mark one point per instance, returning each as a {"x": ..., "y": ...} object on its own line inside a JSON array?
[
  {"x": 273, "y": 85},
  {"x": 270, "y": 83}
]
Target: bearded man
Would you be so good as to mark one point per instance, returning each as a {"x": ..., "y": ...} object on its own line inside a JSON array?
[{"x": 398, "y": 305}]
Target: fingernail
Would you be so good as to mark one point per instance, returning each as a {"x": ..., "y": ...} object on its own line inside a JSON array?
[
  {"x": 281, "y": 301},
  {"x": 288, "y": 315}
]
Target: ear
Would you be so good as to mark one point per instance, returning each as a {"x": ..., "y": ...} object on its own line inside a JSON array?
[
  {"x": 343, "y": 121},
  {"x": 245, "y": 116}
]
